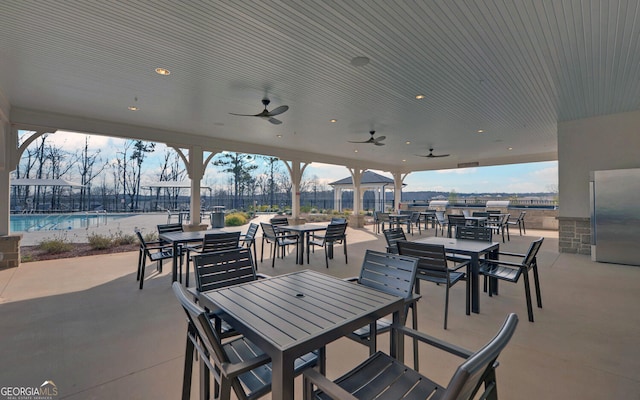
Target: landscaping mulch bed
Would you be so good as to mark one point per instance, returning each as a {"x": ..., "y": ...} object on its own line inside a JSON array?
[{"x": 33, "y": 253}]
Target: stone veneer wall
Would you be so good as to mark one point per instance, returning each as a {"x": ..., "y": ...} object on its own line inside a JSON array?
[
  {"x": 574, "y": 235},
  {"x": 10, "y": 251}
]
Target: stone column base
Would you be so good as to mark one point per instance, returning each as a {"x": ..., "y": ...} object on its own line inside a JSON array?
[
  {"x": 10, "y": 251},
  {"x": 574, "y": 235},
  {"x": 356, "y": 221},
  {"x": 192, "y": 228}
]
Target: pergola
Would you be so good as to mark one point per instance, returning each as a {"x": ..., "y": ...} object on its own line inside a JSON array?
[
  {"x": 369, "y": 181},
  {"x": 487, "y": 83}
]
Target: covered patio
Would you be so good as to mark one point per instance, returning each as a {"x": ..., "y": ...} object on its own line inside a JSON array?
[{"x": 83, "y": 324}]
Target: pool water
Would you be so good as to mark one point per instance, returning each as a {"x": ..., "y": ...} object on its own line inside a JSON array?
[{"x": 54, "y": 222}]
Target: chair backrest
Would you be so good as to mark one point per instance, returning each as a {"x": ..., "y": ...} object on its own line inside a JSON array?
[
  {"x": 494, "y": 211},
  {"x": 381, "y": 216},
  {"x": 415, "y": 217},
  {"x": 466, "y": 213},
  {"x": 220, "y": 241},
  {"x": 268, "y": 231},
  {"x": 279, "y": 221},
  {"x": 164, "y": 228},
  {"x": 143, "y": 244},
  {"x": 338, "y": 220},
  {"x": 474, "y": 233},
  {"x": 335, "y": 232},
  {"x": 471, "y": 374},
  {"x": 457, "y": 220},
  {"x": 251, "y": 232},
  {"x": 392, "y": 236},
  {"x": 223, "y": 268},
  {"x": 389, "y": 273},
  {"x": 432, "y": 259},
  {"x": 480, "y": 214},
  {"x": 440, "y": 217},
  {"x": 522, "y": 215},
  {"x": 530, "y": 257}
]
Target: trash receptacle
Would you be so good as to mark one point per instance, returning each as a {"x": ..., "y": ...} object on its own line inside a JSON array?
[{"x": 217, "y": 217}]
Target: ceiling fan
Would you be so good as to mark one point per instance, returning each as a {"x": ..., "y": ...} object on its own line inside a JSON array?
[
  {"x": 266, "y": 114},
  {"x": 431, "y": 155},
  {"x": 377, "y": 141}
]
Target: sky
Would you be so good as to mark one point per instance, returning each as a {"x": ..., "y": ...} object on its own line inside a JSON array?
[{"x": 514, "y": 178}]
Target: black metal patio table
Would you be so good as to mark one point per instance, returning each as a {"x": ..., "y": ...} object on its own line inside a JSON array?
[
  {"x": 292, "y": 314},
  {"x": 472, "y": 248},
  {"x": 304, "y": 231}
]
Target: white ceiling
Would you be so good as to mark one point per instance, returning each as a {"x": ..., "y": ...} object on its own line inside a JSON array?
[{"x": 511, "y": 68}]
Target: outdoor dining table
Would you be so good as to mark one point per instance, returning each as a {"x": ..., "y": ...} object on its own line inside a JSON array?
[
  {"x": 396, "y": 219},
  {"x": 472, "y": 248},
  {"x": 179, "y": 237},
  {"x": 290, "y": 315},
  {"x": 304, "y": 232}
]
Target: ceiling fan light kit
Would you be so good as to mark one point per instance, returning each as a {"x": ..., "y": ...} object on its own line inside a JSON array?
[{"x": 373, "y": 140}]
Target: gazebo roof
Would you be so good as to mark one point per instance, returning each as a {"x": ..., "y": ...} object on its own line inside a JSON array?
[{"x": 368, "y": 177}]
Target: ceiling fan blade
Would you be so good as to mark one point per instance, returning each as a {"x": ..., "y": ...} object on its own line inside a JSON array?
[
  {"x": 248, "y": 115},
  {"x": 438, "y": 155},
  {"x": 366, "y": 141},
  {"x": 378, "y": 143},
  {"x": 277, "y": 111},
  {"x": 380, "y": 139},
  {"x": 275, "y": 121}
]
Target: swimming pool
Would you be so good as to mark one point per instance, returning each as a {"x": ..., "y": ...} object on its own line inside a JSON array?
[{"x": 55, "y": 222}]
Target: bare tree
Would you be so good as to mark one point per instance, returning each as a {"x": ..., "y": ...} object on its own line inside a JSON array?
[
  {"x": 239, "y": 166},
  {"x": 87, "y": 173}
]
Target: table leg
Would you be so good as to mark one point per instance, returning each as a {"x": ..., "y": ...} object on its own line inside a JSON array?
[
  {"x": 174, "y": 271},
  {"x": 282, "y": 386},
  {"x": 475, "y": 294}
]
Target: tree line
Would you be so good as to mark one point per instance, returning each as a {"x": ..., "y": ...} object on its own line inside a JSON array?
[{"x": 120, "y": 177}]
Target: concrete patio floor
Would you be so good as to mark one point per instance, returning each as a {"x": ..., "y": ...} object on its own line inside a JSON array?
[{"x": 83, "y": 324}]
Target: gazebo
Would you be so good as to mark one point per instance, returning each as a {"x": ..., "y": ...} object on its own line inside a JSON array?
[{"x": 370, "y": 181}]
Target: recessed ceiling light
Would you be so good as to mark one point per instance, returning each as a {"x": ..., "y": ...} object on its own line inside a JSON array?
[
  {"x": 279, "y": 136},
  {"x": 162, "y": 71},
  {"x": 133, "y": 108},
  {"x": 420, "y": 96},
  {"x": 404, "y": 160},
  {"x": 509, "y": 148},
  {"x": 360, "y": 61},
  {"x": 355, "y": 151},
  {"x": 480, "y": 131},
  {"x": 407, "y": 142},
  {"x": 333, "y": 120}
]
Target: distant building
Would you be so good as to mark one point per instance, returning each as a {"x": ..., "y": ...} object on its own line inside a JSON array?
[{"x": 370, "y": 181}]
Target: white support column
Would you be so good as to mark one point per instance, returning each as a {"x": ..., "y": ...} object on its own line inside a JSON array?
[
  {"x": 8, "y": 153},
  {"x": 356, "y": 220},
  {"x": 296, "y": 169},
  {"x": 337, "y": 198},
  {"x": 398, "y": 179},
  {"x": 195, "y": 170}
]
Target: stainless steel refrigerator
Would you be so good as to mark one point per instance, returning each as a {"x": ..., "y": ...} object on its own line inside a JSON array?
[{"x": 615, "y": 216}]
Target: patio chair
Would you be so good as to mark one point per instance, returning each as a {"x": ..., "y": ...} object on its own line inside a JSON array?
[
  {"x": 277, "y": 240},
  {"x": 392, "y": 274},
  {"x": 213, "y": 242},
  {"x": 155, "y": 251},
  {"x": 338, "y": 220},
  {"x": 501, "y": 225},
  {"x": 165, "y": 228},
  {"x": 412, "y": 223},
  {"x": 279, "y": 221},
  {"x": 237, "y": 365},
  {"x": 335, "y": 233},
  {"x": 382, "y": 376},
  {"x": 392, "y": 236},
  {"x": 519, "y": 222},
  {"x": 432, "y": 267},
  {"x": 379, "y": 219},
  {"x": 512, "y": 271},
  {"x": 441, "y": 221},
  {"x": 249, "y": 240}
]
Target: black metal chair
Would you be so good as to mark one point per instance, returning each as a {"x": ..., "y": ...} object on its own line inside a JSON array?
[
  {"x": 512, "y": 271},
  {"x": 379, "y": 219},
  {"x": 519, "y": 222},
  {"x": 393, "y": 274},
  {"x": 455, "y": 221},
  {"x": 249, "y": 240},
  {"x": 335, "y": 234},
  {"x": 338, "y": 220},
  {"x": 277, "y": 240},
  {"x": 175, "y": 227},
  {"x": 213, "y": 242},
  {"x": 237, "y": 365},
  {"x": 500, "y": 225},
  {"x": 413, "y": 222},
  {"x": 432, "y": 267},
  {"x": 383, "y": 377},
  {"x": 392, "y": 236},
  {"x": 155, "y": 251},
  {"x": 441, "y": 222}
]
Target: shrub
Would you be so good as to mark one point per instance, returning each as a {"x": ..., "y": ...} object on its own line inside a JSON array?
[
  {"x": 121, "y": 239},
  {"x": 235, "y": 219},
  {"x": 55, "y": 246},
  {"x": 100, "y": 242}
]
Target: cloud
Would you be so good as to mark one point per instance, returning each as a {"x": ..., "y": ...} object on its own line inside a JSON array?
[{"x": 458, "y": 171}]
